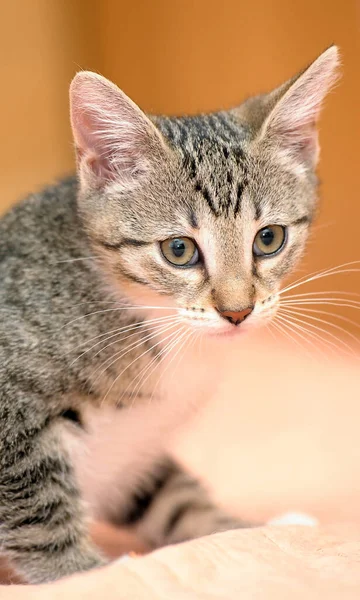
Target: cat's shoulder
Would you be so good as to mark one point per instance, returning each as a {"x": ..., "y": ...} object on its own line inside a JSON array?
[
  {"x": 44, "y": 224},
  {"x": 53, "y": 201},
  {"x": 43, "y": 213}
]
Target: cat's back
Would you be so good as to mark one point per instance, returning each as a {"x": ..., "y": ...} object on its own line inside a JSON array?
[
  {"x": 42, "y": 247},
  {"x": 40, "y": 223}
]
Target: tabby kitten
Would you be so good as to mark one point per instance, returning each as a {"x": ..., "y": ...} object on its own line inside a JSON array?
[{"x": 172, "y": 226}]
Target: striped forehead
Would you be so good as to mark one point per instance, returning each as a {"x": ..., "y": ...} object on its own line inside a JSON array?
[
  {"x": 213, "y": 157},
  {"x": 186, "y": 133}
]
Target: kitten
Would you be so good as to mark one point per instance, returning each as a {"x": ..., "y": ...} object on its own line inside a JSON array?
[{"x": 172, "y": 226}]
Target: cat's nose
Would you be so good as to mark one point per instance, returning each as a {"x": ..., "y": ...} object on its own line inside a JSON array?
[{"x": 236, "y": 316}]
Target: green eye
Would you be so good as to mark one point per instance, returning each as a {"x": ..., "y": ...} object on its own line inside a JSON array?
[
  {"x": 269, "y": 240},
  {"x": 181, "y": 252}
]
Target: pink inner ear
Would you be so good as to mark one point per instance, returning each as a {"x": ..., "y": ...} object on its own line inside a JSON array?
[
  {"x": 297, "y": 135},
  {"x": 100, "y": 167},
  {"x": 300, "y": 139},
  {"x": 294, "y": 118},
  {"x": 302, "y": 147},
  {"x": 114, "y": 139},
  {"x": 92, "y": 147}
]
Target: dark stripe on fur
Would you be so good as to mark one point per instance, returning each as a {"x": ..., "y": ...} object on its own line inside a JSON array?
[
  {"x": 193, "y": 220},
  {"x": 239, "y": 193},
  {"x": 302, "y": 220},
  {"x": 23, "y": 440},
  {"x": 141, "y": 502},
  {"x": 210, "y": 202},
  {"x": 178, "y": 513},
  {"x": 254, "y": 269},
  {"x": 131, "y": 276},
  {"x": 41, "y": 515},
  {"x": 132, "y": 242},
  {"x": 124, "y": 242},
  {"x": 239, "y": 155},
  {"x": 258, "y": 210},
  {"x": 142, "y": 499},
  {"x": 29, "y": 481},
  {"x": 108, "y": 246},
  {"x": 190, "y": 166},
  {"x": 58, "y": 546}
]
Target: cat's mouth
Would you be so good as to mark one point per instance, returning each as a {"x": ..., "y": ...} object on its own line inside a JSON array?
[
  {"x": 212, "y": 326},
  {"x": 258, "y": 320},
  {"x": 227, "y": 333}
]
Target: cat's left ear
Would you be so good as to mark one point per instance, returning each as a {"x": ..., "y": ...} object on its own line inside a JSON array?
[
  {"x": 291, "y": 124},
  {"x": 114, "y": 139}
]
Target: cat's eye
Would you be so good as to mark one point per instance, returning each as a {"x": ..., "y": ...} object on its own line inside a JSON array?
[
  {"x": 269, "y": 240},
  {"x": 181, "y": 252}
]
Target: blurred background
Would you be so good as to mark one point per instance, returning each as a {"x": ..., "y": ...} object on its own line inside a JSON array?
[{"x": 187, "y": 56}]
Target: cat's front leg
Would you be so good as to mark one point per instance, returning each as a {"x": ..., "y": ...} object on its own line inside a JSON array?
[
  {"x": 179, "y": 509},
  {"x": 42, "y": 526}
]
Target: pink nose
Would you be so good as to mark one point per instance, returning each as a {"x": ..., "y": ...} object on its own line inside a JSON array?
[{"x": 236, "y": 316}]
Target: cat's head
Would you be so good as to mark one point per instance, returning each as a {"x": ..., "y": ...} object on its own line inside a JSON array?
[{"x": 205, "y": 213}]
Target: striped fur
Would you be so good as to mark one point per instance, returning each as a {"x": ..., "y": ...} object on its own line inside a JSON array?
[
  {"x": 216, "y": 138},
  {"x": 83, "y": 282}
]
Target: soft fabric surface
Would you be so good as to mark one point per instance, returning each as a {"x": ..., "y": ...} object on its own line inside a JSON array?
[{"x": 265, "y": 563}]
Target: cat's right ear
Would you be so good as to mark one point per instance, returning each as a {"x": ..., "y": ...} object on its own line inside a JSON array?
[{"x": 114, "y": 139}]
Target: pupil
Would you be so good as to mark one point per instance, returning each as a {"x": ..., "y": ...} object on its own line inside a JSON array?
[
  {"x": 178, "y": 248},
  {"x": 267, "y": 237}
]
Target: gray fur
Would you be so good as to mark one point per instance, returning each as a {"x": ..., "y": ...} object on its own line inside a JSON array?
[{"x": 75, "y": 255}]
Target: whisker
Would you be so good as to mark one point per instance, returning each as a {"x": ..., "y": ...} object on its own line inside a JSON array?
[
  {"x": 345, "y": 302},
  {"x": 130, "y": 347},
  {"x": 162, "y": 353},
  {"x": 193, "y": 336},
  {"x": 119, "y": 331},
  {"x": 106, "y": 310},
  {"x": 68, "y": 260},
  {"x": 307, "y": 316},
  {"x": 319, "y": 333},
  {"x": 328, "y": 269},
  {"x": 330, "y": 347},
  {"x": 302, "y": 311},
  {"x": 136, "y": 359},
  {"x": 296, "y": 329},
  {"x": 320, "y": 276},
  {"x": 322, "y": 293},
  {"x": 157, "y": 327},
  {"x": 120, "y": 303},
  {"x": 185, "y": 334},
  {"x": 268, "y": 327},
  {"x": 322, "y": 273},
  {"x": 325, "y": 331},
  {"x": 149, "y": 365},
  {"x": 314, "y": 335},
  {"x": 283, "y": 332}
]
